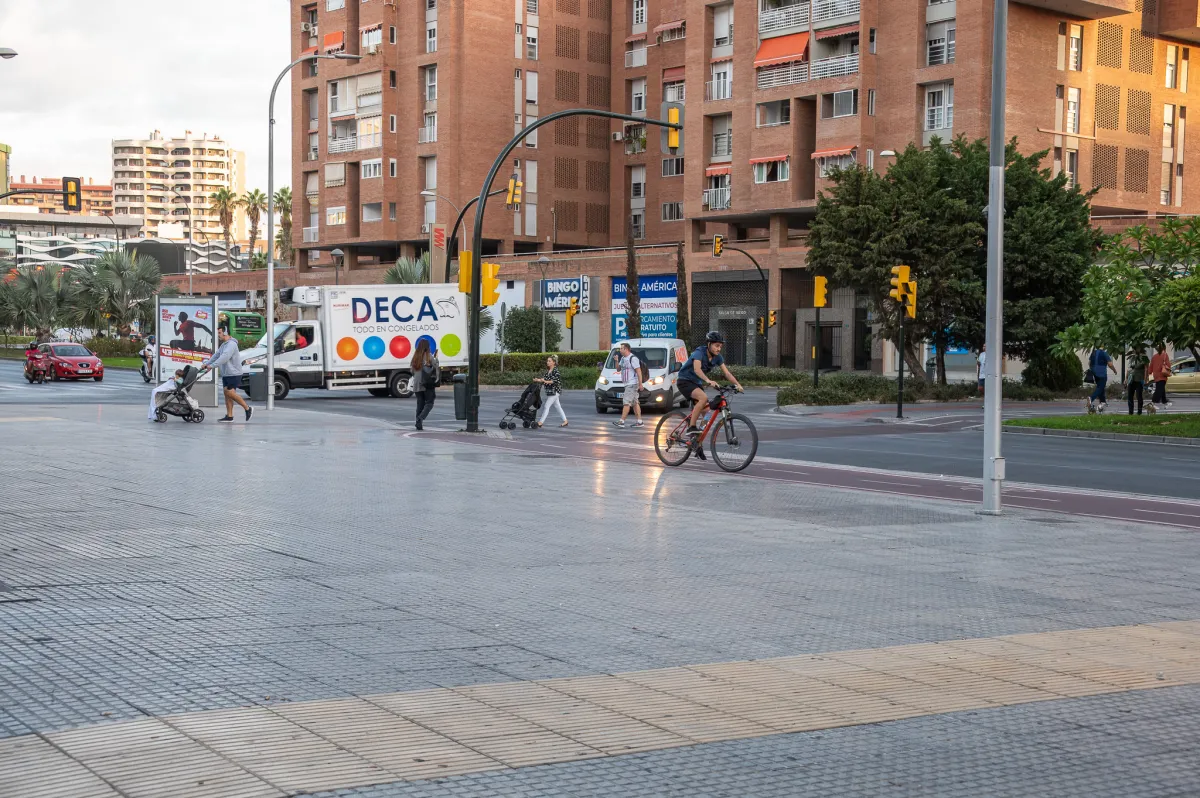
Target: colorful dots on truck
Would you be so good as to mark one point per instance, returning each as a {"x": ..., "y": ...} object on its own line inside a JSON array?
[{"x": 347, "y": 348}]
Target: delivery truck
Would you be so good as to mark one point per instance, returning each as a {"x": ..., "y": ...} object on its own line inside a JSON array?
[{"x": 362, "y": 337}]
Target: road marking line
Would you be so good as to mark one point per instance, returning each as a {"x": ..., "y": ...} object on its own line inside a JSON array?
[{"x": 13, "y": 419}]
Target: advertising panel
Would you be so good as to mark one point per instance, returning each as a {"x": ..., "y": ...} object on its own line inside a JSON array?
[
  {"x": 658, "y": 306},
  {"x": 186, "y": 335},
  {"x": 381, "y": 326},
  {"x": 557, "y": 293}
]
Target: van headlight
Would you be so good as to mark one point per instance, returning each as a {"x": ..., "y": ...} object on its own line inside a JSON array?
[
  {"x": 603, "y": 380},
  {"x": 659, "y": 380}
]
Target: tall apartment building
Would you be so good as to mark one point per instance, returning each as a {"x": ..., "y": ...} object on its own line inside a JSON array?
[
  {"x": 776, "y": 93},
  {"x": 162, "y": 179},
  {"x": 94, "y": 199}
]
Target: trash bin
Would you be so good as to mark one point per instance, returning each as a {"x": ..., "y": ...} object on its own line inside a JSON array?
[
  {"x": 460, "y": 397},
  {"x": 258, "y": 385}
]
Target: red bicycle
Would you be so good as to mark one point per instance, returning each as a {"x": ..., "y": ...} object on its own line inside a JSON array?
[{"x": 733, "y": 440}]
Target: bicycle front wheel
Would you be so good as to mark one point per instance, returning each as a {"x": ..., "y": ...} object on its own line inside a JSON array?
[
  {"x": 734, "y": 442},
  {"x": 670, "y": 440}
]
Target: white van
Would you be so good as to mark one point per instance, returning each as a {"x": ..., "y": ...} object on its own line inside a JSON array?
[{"x": 662, "y": 357}]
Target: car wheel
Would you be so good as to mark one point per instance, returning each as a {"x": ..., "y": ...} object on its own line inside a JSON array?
[
  {"x": 601, "y": 409},
  {"x": 99, "y": 378},
  {"x": 282, "y": 386},
  {"x": 398, "y": 385}
]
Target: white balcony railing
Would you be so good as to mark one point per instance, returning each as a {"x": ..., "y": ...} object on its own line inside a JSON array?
[
  {"x": 716, "y": 199},
  {"x": 368, "y": 140},
  {"x": 722, "y": 144},
  {"x": 832, "y": 9},
  {"x": 782, "y": 75},
  {"x": 635, "y": 58},
  {"x": 427, "y": 134},
  {"x": 834, "y": 67},
  {"x": 718, "y": 90},
  {"x": 344, "y": 144},
  {"x": 310, "y": 235},
  {"x": 787, "y": 17}
]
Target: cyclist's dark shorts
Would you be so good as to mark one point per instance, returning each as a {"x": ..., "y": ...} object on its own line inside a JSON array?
[{"x": 685, "y": 387}]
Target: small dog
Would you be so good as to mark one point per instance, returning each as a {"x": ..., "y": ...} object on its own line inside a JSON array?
[{"x": 1151, "y": 409}]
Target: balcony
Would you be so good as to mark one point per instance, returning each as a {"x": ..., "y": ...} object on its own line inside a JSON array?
[
  {"x": 635, "y": 58},
  {"x": 1099, "y": 9},
  {"x": 782, "y": 75},
  {"x": 310, "y": 235},
  {"x": 834, "y": 9},
  {"x": 718, "y": 90},
  {"x": 835, "y": 67},
  {"x": 722, "y": 144},
  {"x": 368, "y": 140},
  {"x": 793, "y": 16},
  {"x": 427, "y": 134},
  {"x": 344, "y": 144},
  {"x": 716, "y": 199},
  {"x": 635, "y": 139}
]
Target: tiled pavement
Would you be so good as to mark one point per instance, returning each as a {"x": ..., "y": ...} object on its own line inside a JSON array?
[{"x": 161, "y": 570}]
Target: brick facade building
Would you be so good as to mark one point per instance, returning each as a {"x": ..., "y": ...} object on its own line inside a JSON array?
[{"x": 774, "y": 94}]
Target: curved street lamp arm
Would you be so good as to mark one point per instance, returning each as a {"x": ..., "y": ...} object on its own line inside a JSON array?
[{"x": 453, "y": 239}]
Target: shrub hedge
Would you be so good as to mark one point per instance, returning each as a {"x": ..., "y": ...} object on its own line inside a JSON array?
[
  {"x": 572, "y": 378},
  {"x": 115, "y": 347},
  {"x": 535, "y": 361},
  {"x": 844, "y": 389}
]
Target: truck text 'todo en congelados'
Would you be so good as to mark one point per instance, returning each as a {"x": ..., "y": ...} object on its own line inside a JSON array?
[{"x": 364, "y": 336}]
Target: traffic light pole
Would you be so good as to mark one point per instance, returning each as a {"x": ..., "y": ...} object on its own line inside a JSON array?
[
  {"x": 816, "y": 350},
  {"x": 477, "y": 240},
  {"x": 453, "y": 239},
  {"x": 900, "y": 344}
]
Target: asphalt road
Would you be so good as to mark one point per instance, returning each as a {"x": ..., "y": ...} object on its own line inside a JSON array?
[{"x": 936, "y": 440}]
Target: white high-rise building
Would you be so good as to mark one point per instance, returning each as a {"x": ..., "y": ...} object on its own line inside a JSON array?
[{"x": 162, "y": 179}]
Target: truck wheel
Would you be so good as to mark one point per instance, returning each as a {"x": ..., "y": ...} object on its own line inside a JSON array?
[
  {"x": 283, "y": 386},
  {"x": 398, "y": 385},
  {"x": 378, "y": 391},
  {"x": 601, "y": 409}
]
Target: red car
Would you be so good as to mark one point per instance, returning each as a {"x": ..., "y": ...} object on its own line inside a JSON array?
[{"x": 73, "y": 362}]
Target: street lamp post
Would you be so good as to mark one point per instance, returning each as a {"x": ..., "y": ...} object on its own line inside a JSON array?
[
  {"x": 993, "y": 463},
  {"x": 337, "y": 256},
  {"x": 429, "y": 192},
  {"x": 271, "y": 215},
  {"x": 190, "y": 236}
]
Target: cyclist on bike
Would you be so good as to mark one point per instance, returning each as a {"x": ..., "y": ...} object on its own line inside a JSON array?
[{"x": 695, "y": 372}]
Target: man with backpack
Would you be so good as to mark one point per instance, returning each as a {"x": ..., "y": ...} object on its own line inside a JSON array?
[{"x": 631, "y": 375}]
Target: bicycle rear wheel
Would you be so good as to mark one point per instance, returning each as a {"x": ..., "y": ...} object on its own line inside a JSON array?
[
  {"x": 670, "y": 444},
  {"x": 734, "y": 442}
]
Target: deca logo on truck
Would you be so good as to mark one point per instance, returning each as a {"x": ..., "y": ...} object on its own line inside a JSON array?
[{"x": 396, "y": 316}]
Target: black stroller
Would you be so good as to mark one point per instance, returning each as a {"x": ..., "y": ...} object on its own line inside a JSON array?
[
  {"x": 524, "y": 408},
  {"x": 178, "y": 402}
]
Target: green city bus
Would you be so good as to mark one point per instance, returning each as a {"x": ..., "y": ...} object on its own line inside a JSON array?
[{"x": 246, "y": 327}]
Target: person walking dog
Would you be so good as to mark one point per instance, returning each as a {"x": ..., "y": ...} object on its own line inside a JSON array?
[
  {"x": 427, "y": 373},
  {"x": 553, "y": 382},
  {"x": 229, "y": 359}
]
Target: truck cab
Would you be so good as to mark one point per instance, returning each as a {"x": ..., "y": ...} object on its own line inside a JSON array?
[{"x": 299, "y": 359}]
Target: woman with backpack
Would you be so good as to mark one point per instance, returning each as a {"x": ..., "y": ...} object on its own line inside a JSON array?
[{"x": 427, "y": 374}]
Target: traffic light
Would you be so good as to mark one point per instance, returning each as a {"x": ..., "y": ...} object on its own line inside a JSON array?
[
  {"x": 572, "y": 309},
  {"x": 464, "y": 271},
  {"x": 899, "y": 283},
  {"x": 672, "y": 133},
  {"x": 761, "y": 325},
  {"x": 718, "y": 245},
  {"x": 910, "y": 299},
  {"x": 490, "y": 292},
  {"x": 820, "y": 291},
  {"x": 771, "y": 318},
  {"x": 513, "y": 200},
  {"x": 70, "y": 192}
]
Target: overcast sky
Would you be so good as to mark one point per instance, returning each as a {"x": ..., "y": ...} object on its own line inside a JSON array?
[{"x": 89, "y": 71}]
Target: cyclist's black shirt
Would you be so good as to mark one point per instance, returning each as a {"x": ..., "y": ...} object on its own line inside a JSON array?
[{"x": 707, "y": 364}]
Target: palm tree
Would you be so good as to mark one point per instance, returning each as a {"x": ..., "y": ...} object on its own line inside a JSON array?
[
  {"x": 37, "y": 298},
  {"x": 258, "y": 261},
  {"x": 408, "y": 271},
  {"x": 255, "y": 203},
  {"x": 86, "y": 307},
  {"x": 283, "y": 206},
  {"x": 127, "y": 284},
  {"x": 225, "y": 203}
]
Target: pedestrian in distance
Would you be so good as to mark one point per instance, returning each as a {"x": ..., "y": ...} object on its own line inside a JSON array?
[
  {"x": 552, "y": 381},
  {"x": 631, "y": 375},
  {"x": 1099, "y": 364},
  {"x": 427, "y": 374},
  {"x": 1135, "y": 380},
  {"x": 1160, "y": 369},
  {"x": 981, "y": 368},
  {"x": 229, "y": 359}
]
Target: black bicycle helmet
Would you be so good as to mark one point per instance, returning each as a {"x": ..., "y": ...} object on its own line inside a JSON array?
[{"x": 714, "y": 337}]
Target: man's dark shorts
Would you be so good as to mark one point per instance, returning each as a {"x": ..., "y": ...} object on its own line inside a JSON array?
[
  {"x": 231, "y": 383},
  {"x": 685, "y": 388}
]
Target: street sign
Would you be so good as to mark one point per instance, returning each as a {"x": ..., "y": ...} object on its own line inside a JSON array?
[{"x": 558, "y": 293}]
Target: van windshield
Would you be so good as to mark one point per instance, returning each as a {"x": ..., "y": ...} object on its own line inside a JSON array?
[
  {"x": 280, "y": 329},
  {"x": 650, "y": 358}
]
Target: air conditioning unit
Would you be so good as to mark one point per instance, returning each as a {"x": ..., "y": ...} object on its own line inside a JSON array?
[
  {"x": 306, "y": 27},
  {"x": 373, "y": 49},
  {"x": 425, "y": 228},
  {"x": 618, "y": 136}
]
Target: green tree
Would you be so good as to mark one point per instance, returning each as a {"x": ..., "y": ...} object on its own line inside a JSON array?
[
  {"x": 258, "y": 260},
  {"x": 255, "y": 204},
  {"x": 523, "y": 331},
  {"x": 127, "y": 284},
  {"x": 283, "y": 239},
  {"x": 225, "y": 203},
  {"x": 1173, "y": 315},
  {"x": 36, "y": 299},
  {"x": 408, "y": 271}
]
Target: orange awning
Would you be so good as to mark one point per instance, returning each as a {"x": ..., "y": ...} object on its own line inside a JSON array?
[
  {"x": 843, "y": 30},
  {"x": 669, "y": 26},
  {"x": 309, "y": 51},
  {"x": 770, "y": 159},
  {"x": 833, "y": 151},
  {"x": 335, "y": 40},
  {"x": 782, "y": 50},
  {"x": 637, "y": 37},
  {"x": 719, "y": 169},
  {"x": 673, "y": 73}
]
